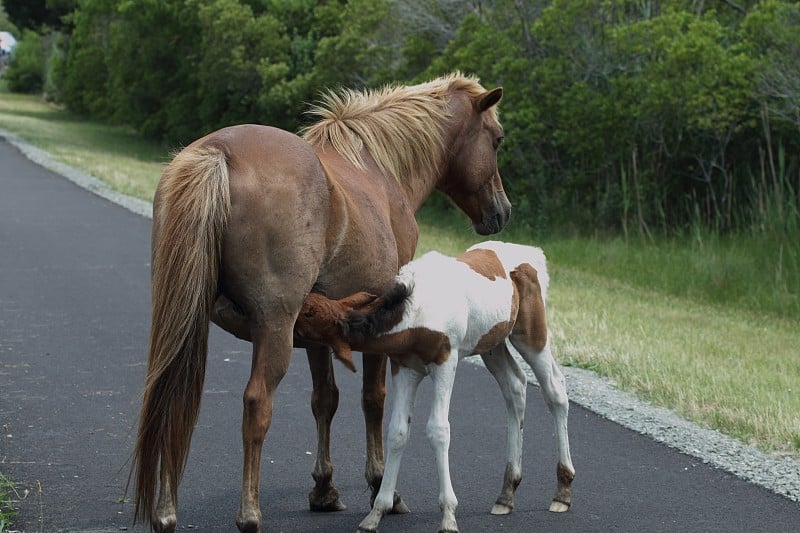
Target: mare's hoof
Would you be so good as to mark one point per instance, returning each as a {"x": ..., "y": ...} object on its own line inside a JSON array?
[
  {"x": 248, "y": 526},
  {"x": 330, "y": 507},
  {"x": 165, "y": 524},
  {"x": 327, "y": 502},
  {"x": 248, "y": 522},
  {"x": 501, "y": 508},
  {"x": 559, "y": 507}
]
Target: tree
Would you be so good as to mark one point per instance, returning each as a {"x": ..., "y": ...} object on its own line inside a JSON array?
[{"x": 36, "y": 14}]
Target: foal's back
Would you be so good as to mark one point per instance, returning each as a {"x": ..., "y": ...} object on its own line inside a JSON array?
[
  {"x": 461, "y": 297},
  {"x": 513, "y": 255}
]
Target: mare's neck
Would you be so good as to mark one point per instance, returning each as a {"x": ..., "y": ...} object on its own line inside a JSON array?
[{"x": 418, "y": 188}]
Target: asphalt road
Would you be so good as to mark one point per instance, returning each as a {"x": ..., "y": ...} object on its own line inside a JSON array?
[{"x": 74, "y": 319}]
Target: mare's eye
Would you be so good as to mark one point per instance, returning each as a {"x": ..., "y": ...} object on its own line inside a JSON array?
[{"x": 497, "y": 141}]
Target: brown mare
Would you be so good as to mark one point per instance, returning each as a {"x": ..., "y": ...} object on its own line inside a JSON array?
[{"x": 249, "y": 219}]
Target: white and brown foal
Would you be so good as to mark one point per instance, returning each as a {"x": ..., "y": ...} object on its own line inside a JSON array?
[{"x": 485, "y": 301}]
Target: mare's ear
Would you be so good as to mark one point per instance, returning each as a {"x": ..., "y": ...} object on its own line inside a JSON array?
[
  {"x": 358, "y": 300},
  {"x": 490, "y": 98}
]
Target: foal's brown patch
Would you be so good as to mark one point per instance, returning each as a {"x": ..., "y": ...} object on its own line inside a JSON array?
[
  {"x": 501, "y": 330},
  {"x": 426, "y": 344},
  {"x": 493, "y": 337},
  {"x": 531, "y": 324},
  {"x": 484, "y": 262}
]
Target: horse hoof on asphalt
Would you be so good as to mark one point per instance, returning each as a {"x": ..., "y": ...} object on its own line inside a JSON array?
[
  {"x": 500, "y": 508},
  {"x": 399, "y": 506},
  {"x": 327, "y": 503},
  {"x": 558, "y": 507}
]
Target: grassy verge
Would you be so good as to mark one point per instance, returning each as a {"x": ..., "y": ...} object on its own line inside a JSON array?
[
  {"x": 114, "y": 154},
  {"x": 690, "y": 325},
  {"x": 8, "y": 495},
  {"x": 656, "y": 319}
]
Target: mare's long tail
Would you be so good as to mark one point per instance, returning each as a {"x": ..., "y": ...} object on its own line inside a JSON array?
[{"x": 191, "y": 209}]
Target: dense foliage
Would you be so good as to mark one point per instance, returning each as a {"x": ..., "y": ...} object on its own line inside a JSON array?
[{"x": 633, "y": 116}]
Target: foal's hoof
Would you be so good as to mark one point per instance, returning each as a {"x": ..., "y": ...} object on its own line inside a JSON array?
[
  {"x": 559, "y": 507},
  {"x": 501, "y": 508},
  {"x": 399, "y": 506},
  {"x": 370, "y": 523},
  {"x": 327, "y": 502}
]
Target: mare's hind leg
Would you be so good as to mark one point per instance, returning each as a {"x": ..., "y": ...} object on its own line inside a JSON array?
[
  {"x": 272, "y": 350},
  {"x": 166, "y": 518},
  {"x": 513, "y": 386},
  {"x": 324, "y": 402},
  {"x": 554, "y": 389},
  {"x": 404, "y": 390},
  {"x": 373, "y": 395}
]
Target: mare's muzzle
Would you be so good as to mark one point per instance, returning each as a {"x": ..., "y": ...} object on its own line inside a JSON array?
[{"x": 495, "y": 217}]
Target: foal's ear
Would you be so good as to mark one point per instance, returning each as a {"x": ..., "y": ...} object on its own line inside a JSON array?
[
  {"x": 343, "y": 353},
  {"x": 490, "y": 98},
  {"x": 357, "y": 300}
]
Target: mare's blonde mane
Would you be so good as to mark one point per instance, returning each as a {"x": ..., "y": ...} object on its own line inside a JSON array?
[{"x": 400, "y": 126}]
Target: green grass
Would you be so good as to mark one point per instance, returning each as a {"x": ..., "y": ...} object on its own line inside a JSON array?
[
  {"x": 685, "y": 325},
  {"x": 8, "y": 495},
  {"x": 706, "y": 326},
  {"x": 754, "y": 272},
  {"x": 114, "y": 154}
]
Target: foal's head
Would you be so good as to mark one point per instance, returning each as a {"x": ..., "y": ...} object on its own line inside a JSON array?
[
  {"x": 472, "y": 179},
  {"x": 349, "y": 322},
  {"x": 324, "y": 321}
]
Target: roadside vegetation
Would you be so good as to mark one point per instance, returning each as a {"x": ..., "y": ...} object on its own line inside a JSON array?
[
  {"x": 649, "y": 314},
  {"x": 8, "y": 496}
]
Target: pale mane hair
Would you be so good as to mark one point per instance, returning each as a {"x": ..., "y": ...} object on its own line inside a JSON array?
[{"x": 400, "y": 126}]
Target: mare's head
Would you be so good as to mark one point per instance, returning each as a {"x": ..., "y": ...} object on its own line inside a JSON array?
[
  {"x": 472, "y": 136},
  {"x": 443, "y": 134}
]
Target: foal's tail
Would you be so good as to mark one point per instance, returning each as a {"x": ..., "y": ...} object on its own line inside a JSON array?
[{"x": 191, "y": 209}]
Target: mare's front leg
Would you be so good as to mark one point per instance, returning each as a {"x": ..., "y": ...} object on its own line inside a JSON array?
[
  {"x": 513, "y": 385},
  {"x": 404, "y": 388},
  {"x": 272, "y": 351},
  {"x": 324, "y": 402},
  {"x": 554, "y": 389},
  {"x": 373, "y": 396},
  {"x": 439, "y": 436}
]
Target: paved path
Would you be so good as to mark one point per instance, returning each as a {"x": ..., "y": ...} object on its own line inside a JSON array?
[{"x": 74, "y": 312}]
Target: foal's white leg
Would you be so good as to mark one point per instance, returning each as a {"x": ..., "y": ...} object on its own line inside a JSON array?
[
  {"x": 438, "y": 431},
  {"x": 513, "y": 385},
  {"x": 404, "y": 391},
  {"x": 554, "y": 389}
]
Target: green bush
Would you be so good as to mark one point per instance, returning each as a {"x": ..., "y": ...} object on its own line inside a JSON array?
[
  {"x": 632, "y": 117},
  {"x": 26, "y": 71}
]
